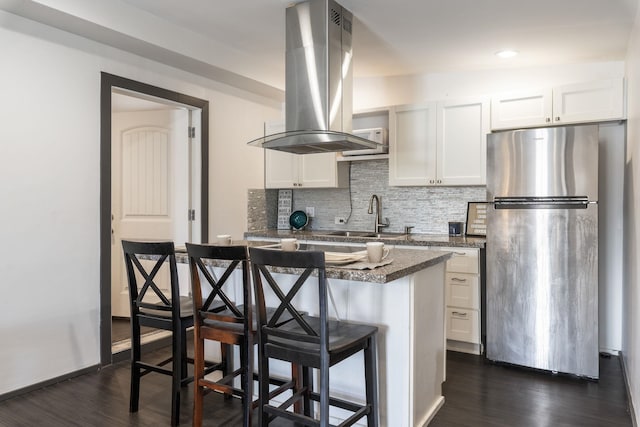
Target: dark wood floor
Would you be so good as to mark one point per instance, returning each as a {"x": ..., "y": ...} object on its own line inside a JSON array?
[
  {"x": 121, "y": 329},
  {"x": 477, "y": 393},
  {"x": 480, "y": 393}
]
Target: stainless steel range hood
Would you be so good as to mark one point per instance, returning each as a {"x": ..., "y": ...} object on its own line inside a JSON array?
[{"x": 318, "y": 90}]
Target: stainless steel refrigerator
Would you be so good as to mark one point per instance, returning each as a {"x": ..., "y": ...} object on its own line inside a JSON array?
[{"x": 542, "y": 249}]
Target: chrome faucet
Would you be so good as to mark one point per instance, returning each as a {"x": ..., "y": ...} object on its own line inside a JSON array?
[{"x": 377, "y": 224}]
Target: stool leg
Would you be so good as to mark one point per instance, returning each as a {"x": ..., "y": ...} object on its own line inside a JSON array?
[
  {"x": 134, "y": 394},
  {"x": 183, "y": 353},
  {"x": 226, "y": 354},
  {"x": 176, "y": 344},
  {"x": 324, "y": 389},
  {"x": 198, "y": 373},
  {"x": 371, "y": 379},
  {"x": 246, "y": 377},
  {"x": 263, "y": 383},
  {"x": 307, "y": 383}
]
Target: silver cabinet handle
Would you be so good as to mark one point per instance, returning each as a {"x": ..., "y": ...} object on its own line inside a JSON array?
[
  {"x": 557, "y": 118},
  {"x": 548, "y": 119},
  {"x": 459, "y": 314},
  {"x": 460, "y": 254},
  {"x": 457, "y": 279}
]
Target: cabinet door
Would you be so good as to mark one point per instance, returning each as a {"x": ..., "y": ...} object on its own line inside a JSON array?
[
  {"x": 412, "y": 145},
  {"x": 589, "y": 102},
  {"x": 462, "y": 141},
  {"x": 280, "y": 168},
  {"x": 521, "y": 109},
  {"x": 321, "y": 171}
]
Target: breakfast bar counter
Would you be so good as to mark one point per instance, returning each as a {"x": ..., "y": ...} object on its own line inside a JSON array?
[{"x": 405, "y": 300}]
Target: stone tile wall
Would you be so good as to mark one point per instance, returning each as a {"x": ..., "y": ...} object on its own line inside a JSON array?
[{"x": 428, "y": 209}]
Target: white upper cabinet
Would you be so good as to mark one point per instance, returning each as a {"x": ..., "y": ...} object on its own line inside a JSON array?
[
  {"x": 462, "y": 141},
  {"x": 588, "y": 102},
  {"x": 575, "y": 103},
  {"x": 412, "y": 144},
  {"x": 286, "y": 170},
  {"x": 521, "y": 109},
  {"x": 439, "y": 143}
]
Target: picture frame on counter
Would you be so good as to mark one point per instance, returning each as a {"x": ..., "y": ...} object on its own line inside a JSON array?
[{"x": 476, "y": 219}]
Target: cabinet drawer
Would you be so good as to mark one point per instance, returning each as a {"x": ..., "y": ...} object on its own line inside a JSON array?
[
  {"x": 463, "y": 325},
  {"x": 464, "y": 261},
  {"x": 463, "y": 290}
]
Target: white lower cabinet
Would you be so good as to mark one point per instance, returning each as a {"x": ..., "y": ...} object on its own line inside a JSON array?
[{"x": 463, "y": 300}]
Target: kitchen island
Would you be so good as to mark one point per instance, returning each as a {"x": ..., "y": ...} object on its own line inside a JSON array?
[{"x": 405, "y": 299}]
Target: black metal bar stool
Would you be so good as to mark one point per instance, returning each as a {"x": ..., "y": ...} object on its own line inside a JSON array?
[{"x": 310, "y": 342}]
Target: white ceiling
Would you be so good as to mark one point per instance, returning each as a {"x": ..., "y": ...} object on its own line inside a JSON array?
[{"x": 398, "y": 37}]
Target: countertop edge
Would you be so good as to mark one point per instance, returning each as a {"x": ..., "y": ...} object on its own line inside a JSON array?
[{"x": 443, "y": 240}]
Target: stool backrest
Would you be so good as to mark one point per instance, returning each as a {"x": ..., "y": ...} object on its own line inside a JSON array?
[
  {"x": 144, "y": 291},
  {"x": 277, "y": 322},
  {"x": 217, "y": 305}
]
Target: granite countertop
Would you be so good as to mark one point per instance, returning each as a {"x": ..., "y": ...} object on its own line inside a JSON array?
[
  {"x": 401, "y": 240},
  {"x": 406, "y": 261}
]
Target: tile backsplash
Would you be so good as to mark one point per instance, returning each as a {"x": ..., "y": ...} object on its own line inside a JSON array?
[{"x": 428, "y": 209}]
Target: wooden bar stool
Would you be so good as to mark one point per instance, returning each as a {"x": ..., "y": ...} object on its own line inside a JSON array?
[
  {"x": 310, "y": 342},
  {"x": 157, "y": 308},
  {"x": 230, "y": 321},
  {"x": 219, "y": 318}
]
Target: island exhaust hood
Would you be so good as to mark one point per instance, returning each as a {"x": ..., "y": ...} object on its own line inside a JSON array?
[{"x": 318, "y": 87}]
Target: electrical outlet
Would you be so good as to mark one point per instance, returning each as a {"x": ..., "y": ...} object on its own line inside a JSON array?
[
  {"x": 311, "y": 212},
  {"x": 340, "y": 220}
]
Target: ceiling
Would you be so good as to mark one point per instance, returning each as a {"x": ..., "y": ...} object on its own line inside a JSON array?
[{"x": 403, "y": 37}]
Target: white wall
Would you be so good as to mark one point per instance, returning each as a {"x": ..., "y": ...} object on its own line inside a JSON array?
[
  {"x": 380, "y": 92},
  {"x": 49, "y": 169},
  {"x": 631, "y": 334}
]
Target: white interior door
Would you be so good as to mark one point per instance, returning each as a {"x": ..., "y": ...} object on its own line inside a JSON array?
[{"x": 150, "y": 187}]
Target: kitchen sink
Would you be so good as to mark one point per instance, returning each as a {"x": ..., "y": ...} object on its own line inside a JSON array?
[{"x": 361, "y": 234}]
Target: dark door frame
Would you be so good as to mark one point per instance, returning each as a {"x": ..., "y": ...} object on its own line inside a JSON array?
[{"x": 107, "y": 83}]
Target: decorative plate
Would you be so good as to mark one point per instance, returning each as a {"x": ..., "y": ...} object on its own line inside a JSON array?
[{"x": 298, "y": 220}]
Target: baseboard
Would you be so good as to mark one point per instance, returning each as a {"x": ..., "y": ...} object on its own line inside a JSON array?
[
  {"x": 632, "y": 411},
  {"x": 49, "y": 382},
  {"x": 431, "y": 413},
  {"x": 464, "y": 347}
]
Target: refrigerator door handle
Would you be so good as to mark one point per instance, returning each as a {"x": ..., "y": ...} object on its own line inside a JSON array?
[{"x": 542, "y": 203}]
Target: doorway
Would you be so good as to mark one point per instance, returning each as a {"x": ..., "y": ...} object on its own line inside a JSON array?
[{"x": 189, "y": 171}]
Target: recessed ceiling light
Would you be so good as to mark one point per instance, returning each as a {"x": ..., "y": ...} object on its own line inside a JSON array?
[{"x": 507, "y": 53}]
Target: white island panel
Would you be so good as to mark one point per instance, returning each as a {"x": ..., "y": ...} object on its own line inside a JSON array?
[{"x": 409, "y": 313}]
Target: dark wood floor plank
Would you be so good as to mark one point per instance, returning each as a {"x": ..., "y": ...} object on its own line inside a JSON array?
[{"x": 478, "y": 393}]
